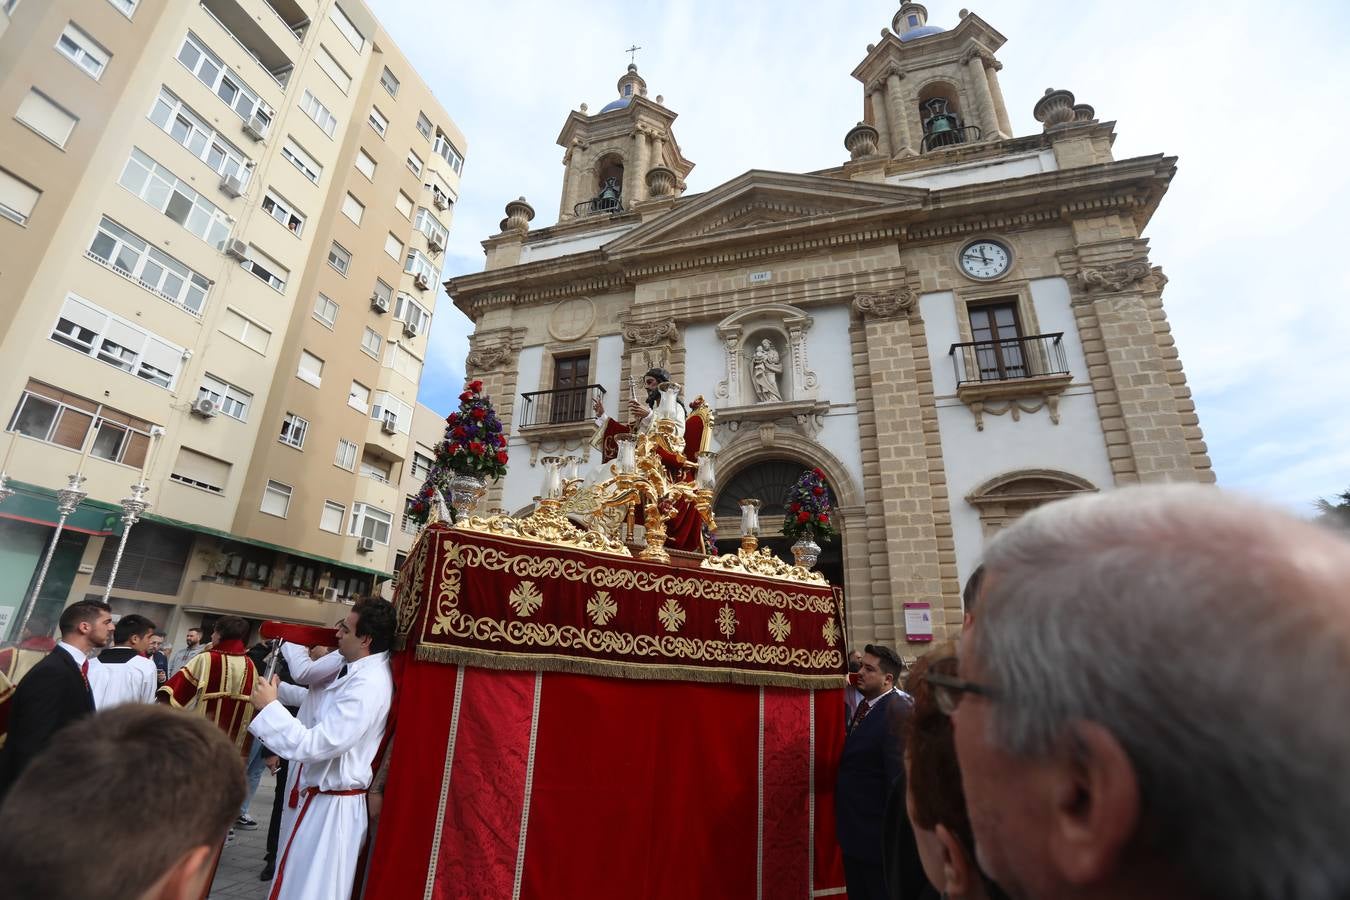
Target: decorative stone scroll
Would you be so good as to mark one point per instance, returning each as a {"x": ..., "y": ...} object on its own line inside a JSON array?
[
  {"x": 648, "y": 345},
  {"x": 1115, "y": 277},
  {"x": 487, "y": 359},
  {"x": 885, "y": 306}
]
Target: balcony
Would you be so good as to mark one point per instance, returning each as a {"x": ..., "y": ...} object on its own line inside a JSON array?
[
  {"x": 292, "y": 15},
  {"x": 1009, "y": 371},
  {"x": 940, "y": 139},
  {"x": 558, "y": 407},
  {"x": 597, "y": 205},
  {"x": 250, "y": 34}
]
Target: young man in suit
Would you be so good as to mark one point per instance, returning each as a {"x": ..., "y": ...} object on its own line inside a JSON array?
[
  {"x": 872, "y": 762},
  {"x": 55, "y": 692}
]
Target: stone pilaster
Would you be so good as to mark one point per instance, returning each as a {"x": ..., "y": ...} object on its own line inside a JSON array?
[
  {"x": 974, "y": 59},
  {"x": 494, "y": 358},
  {"x": 1152, "y": 419},
  {"x": 1000, "y": 106},
  {"x": 651, "y": 344},
  {"x": 901, "y": 144},
  {"x": 881, "y": 119},
  {"x": 906, "y": 449}
]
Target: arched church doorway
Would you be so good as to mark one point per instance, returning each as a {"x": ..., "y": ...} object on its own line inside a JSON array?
[{"x": 768, "y": 481}]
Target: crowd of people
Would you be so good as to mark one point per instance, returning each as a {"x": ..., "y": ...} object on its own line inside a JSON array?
[
  {"x": 92, "y": 726},
  {"x": 1145, "y": 702}
]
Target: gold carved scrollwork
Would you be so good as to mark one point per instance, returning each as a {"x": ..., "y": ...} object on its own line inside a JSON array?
[
  {"x": 548, "y": 524},
  {"x": 885, "y": 306},
  {"x": 1115, "y": 277},
  {"x": 763, "y": 563}
]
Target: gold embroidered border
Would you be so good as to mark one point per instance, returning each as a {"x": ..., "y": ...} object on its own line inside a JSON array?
[
  {"x": 409, "y": 592},
  {"x": 533, "y": 662},
  {"x": 524, "y": 565}
]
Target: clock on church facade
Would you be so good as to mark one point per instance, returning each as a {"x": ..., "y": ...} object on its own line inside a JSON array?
[{"x": 955, "y": 324}]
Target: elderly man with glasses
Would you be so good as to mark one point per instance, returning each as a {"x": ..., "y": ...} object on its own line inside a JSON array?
[{"x": 1112, "y": 742}]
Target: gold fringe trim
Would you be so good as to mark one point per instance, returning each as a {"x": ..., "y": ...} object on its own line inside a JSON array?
[{"x": 545, "y": 662}]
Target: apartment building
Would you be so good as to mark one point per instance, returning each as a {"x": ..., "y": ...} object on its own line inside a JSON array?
[{"x": 222, "y": 231}]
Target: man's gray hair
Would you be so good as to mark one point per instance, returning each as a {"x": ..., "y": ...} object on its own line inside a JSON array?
[{"x": 1211, "y": 635}]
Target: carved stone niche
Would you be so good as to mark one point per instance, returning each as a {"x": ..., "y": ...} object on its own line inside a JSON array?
[{"x": 769, "y": 383}]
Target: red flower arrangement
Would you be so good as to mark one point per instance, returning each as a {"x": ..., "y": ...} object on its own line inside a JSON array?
[
  {"x": 808, "y": 504},
  {"x": 474, "y": 444}
]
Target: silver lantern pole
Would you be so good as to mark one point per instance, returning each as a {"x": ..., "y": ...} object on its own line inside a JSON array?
[
  {"x": 132, "y": 508},
  {"x": 67, "y": 499}
]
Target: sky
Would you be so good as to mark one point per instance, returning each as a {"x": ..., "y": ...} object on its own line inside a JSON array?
[{"x": 1251, "y": 96}]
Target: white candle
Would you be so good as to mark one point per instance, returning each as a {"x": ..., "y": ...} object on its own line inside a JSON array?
[
  {"x": 150, "y": 452},
  {"x": 749, "y": 516},
  {"x": 13, "y": 440},
  {"x": 552, "y": 477},
  {"x": 706, "y": 477},
  {"x": 627, "y": 454},
  {"x": 88, "y": 447},
  {"x": 669, "y": 406}
]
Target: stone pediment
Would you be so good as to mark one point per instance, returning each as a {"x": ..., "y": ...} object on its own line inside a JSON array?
[{"x": 760, "y": 198}]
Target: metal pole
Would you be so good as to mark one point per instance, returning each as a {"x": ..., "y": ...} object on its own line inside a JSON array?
[
  {"x": 67, "y": 499},
  {"x": 5, "y": 490},
  {"x": 132, "y": 507}
]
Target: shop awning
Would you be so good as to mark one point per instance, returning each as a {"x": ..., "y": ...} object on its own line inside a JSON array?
[{"x": 36, "y": 504}]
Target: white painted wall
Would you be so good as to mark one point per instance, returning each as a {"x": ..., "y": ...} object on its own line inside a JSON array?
[
  {"x": 580, "y": 243},
  {"x": 972, "y": 457},
  {"x": 979, "y": 172}
]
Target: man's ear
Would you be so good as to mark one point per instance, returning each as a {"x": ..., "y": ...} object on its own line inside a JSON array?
[
  {"x": 1095, "y": 796},
  {"x": 958, "y": 869},
  {"x": 186, "y": 878}
]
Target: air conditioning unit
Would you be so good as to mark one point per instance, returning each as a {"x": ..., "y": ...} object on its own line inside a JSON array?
[
  {"x": 256, "y": 128},
  {"x": 423, "y": 283},
  {"x": 442, "y": 202},
  {"x": 365, "y": 545},
  {"x": 232, "y": 185},
  {"x": 205, "y": 407},
  {"x": 410, "y": 329},
  {"x": 331, "y": 594},
  {"x": 434, "y": 243},
  {"x": 237, "y": 249},
  {"x": 390, "y": 424},
  {"x": 379, "y": 304}
]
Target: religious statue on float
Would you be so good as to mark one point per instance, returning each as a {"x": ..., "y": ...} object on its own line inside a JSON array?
[{"x": 685, "y": 529}]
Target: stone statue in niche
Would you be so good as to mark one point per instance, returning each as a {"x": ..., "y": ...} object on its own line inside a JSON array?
[{"x": 765, "y": 367}]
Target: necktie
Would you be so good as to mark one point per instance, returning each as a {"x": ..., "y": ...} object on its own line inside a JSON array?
[
  {"x": 84, "y": 672},
  {"x": 342, "y": 672},
  {"x": 859, "y": 714}
]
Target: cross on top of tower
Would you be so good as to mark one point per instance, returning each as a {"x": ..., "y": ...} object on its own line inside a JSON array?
[{"x": 632, "y": 53}]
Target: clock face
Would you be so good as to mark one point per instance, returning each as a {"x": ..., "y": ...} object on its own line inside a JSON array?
[{"x": 985, "y": 259}]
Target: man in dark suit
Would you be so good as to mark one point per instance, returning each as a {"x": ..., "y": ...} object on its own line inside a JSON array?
[
  {"x": 55, "y": 692},
  {"x": 872, "y": 762}
]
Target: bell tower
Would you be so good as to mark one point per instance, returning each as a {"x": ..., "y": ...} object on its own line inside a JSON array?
[
  {"x": 622, "y": 156},
  {"x": 926, "y": 89}
]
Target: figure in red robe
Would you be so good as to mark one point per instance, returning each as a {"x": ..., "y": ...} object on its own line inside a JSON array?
[
  {"x": 16, "y": 661},
  {"x": 685, "y": 530},
  {"x": 217, "y": 684}
]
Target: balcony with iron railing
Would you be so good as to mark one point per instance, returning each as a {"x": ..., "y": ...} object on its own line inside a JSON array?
[
  {"x": 941, "y": 138},
  {"x": 1007, "y": 369},
  {"x": 563, "y": 406},
  {"x": 597, "y": 205},
  {"x": 254, "y": 36}
]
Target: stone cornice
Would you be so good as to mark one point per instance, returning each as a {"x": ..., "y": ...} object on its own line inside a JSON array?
[
  {"x": 1128, "y": 186},
  {"x": 931, "y": 50}
]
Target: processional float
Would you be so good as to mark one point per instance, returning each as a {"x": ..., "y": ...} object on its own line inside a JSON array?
[{"x": 582, "y": 712}]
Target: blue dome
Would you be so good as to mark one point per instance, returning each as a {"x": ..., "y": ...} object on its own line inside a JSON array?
[
  {"x": 623, "y": 101},
  {"x": 921, "y": 31}
]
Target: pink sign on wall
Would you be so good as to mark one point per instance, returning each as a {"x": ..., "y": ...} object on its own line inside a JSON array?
[{"x": 918, "y": 622}]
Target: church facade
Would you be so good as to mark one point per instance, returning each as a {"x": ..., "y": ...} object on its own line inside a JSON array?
[{"x": 956, "y": 324}]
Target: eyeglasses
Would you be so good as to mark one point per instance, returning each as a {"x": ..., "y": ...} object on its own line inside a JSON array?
[{"x": 948, "y": 691}]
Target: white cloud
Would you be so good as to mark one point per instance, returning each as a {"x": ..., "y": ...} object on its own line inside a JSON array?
[{"x": 1250, "y": 96}]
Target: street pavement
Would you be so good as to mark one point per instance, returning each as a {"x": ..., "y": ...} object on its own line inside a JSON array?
[{"x": 242, "y": 860}]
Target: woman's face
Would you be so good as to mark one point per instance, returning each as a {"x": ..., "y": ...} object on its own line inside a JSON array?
[{"x": 930, "y": 848}]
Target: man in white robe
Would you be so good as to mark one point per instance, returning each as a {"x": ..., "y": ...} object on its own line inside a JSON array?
[
  {"x": 319, "y": 858},
  {"x": 313, "y": 670},
  {"x": 124, "y": 673}
]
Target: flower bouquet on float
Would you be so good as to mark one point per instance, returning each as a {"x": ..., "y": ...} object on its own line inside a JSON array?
[
  {"x": 807, "y": 517},
  {"x": 472, "y": 451}
]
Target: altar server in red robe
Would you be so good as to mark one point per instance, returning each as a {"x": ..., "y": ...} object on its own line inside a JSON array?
[
  {"x": 217, "y": 684},
  {"x": 319, "y": 860},
  {"x": 685, "y": 530}
]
